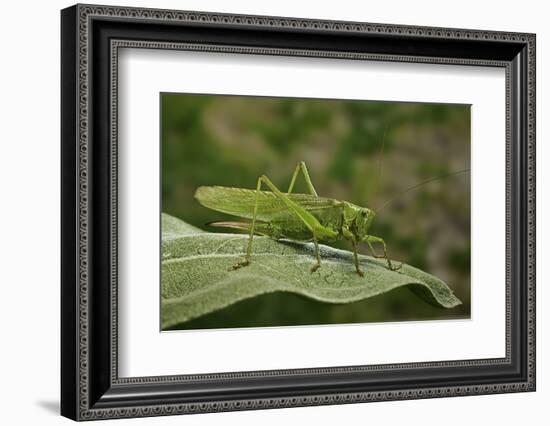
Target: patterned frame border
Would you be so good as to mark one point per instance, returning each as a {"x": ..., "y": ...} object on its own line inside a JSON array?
[{"x": 87, "y": 12}]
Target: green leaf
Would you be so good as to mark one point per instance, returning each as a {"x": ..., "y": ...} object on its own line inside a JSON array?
[
  {"x": 197, "y": 280},
  {"x": 172, "y": 227}
]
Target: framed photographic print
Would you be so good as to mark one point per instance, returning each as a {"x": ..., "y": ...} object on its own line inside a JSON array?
[{"x": 263, "y": 212}]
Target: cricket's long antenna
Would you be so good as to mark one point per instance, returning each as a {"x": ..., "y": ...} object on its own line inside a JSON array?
[
  {"x": 391, "y": 200},
  {"x": 380, "y": 158}
]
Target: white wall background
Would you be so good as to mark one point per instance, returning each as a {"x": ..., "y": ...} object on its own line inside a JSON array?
[{"x": 29, "y": 213}]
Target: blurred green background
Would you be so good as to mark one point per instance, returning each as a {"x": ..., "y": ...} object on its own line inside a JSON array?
[{"x": 232, "y": 140}]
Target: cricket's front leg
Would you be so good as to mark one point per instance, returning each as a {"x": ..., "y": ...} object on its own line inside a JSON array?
[
  {"x": 356, "y": 258},
  {"x": 369, "y": 239}
]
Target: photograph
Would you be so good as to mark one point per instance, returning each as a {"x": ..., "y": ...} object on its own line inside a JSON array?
[
  {"x": 279, "y": 211},
  {"x": 265, "y": 209}
]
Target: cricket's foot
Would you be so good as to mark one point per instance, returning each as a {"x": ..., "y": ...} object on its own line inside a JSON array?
[
  {"x": 239, "y": 265},
  {"x": 315, "y": 267},
  {"x": 394, "y": 268},
  {"x": 360, "y": 272}
]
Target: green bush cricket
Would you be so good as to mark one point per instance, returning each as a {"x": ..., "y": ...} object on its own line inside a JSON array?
[{"x": 300, "y": 217}]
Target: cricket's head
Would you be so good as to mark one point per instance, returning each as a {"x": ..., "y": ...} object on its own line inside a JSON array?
[{"x": 359, "y": 219}]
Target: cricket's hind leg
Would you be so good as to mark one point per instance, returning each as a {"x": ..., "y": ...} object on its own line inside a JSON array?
[
  {"x": 246, "y": 260},
  {"x": 306, "y": 217},
  {"x": 303, "y": 168},
  {"x": 317, "y": 264}
]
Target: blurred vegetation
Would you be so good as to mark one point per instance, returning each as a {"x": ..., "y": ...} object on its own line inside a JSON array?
[{"x": 231, "y": 140}]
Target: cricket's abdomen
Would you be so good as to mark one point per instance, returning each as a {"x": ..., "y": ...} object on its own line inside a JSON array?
[{"x": 291, "y": 226}]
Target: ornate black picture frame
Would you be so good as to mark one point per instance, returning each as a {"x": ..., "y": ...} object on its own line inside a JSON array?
[{"x": 91, "y": 36}]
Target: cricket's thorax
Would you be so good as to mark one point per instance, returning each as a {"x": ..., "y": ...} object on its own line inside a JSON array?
[
  {"x": 345, "y": 219},
  {"x": 356, "y": 221}
]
